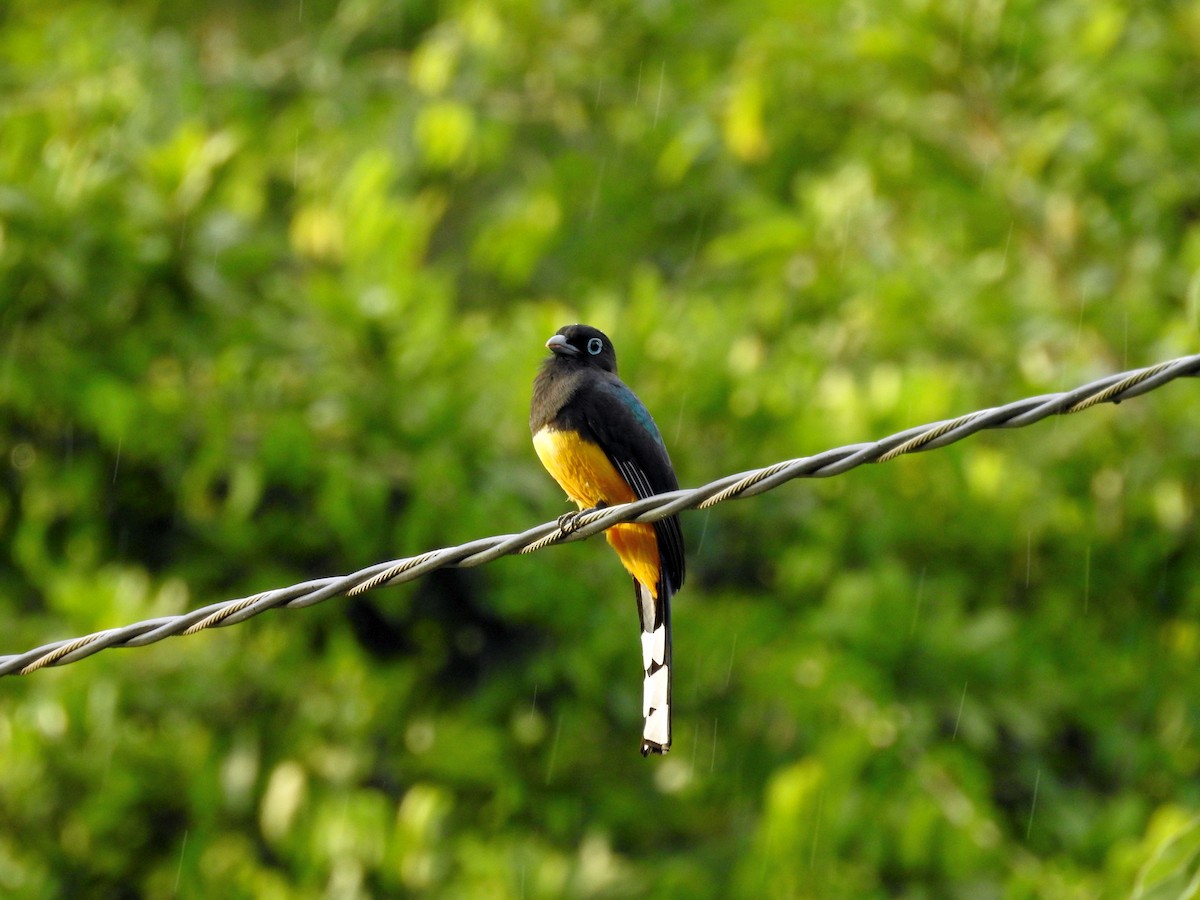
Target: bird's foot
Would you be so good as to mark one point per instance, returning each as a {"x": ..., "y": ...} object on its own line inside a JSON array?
[{"x": 568, "y": 522}]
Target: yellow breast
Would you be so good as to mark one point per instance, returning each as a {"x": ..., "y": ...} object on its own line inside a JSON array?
[
  {"x": 581, "y": 469},
  {"x": 585, "y": 473}
]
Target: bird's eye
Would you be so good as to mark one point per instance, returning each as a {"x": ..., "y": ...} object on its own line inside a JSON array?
[{"x": 594, "y": 346}]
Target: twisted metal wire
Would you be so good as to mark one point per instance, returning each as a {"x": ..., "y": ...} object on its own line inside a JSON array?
[{"x": 1110, "y": 389}]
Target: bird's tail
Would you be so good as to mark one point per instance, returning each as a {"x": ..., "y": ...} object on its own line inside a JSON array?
[{"x": 655, "y": 617}]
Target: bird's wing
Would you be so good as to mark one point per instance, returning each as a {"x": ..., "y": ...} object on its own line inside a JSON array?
[{"x": 628, "y": 436}]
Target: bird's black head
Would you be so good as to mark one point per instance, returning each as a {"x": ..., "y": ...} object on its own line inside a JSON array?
[{"x": 584, "y": 345}]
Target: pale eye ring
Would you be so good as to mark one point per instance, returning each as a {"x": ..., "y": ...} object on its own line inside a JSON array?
[{"x": 594, "y": 346}]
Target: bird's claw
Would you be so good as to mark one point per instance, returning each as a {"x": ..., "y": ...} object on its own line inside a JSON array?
[{"x": 568, "y": 522}]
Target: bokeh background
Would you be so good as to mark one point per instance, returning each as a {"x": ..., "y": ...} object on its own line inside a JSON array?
[{"x": 274, "y": 282}]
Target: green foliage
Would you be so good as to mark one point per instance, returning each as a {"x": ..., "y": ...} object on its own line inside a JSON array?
[{"x": 273, "y": 287}]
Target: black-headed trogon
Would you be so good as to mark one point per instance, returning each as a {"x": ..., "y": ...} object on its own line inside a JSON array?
[{"x": 595, "y": 437}]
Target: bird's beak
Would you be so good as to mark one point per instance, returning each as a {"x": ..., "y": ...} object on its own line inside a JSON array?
[{"x": 558, "y": 345}]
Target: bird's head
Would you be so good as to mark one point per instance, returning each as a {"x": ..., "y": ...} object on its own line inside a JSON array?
[{"x": 584, "y": 345}]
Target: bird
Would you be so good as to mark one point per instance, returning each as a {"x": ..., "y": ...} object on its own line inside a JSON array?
[{"x": 599, "y": 442}]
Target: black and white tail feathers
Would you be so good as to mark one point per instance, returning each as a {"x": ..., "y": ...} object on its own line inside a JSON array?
[{"x": 655, "y": 618}]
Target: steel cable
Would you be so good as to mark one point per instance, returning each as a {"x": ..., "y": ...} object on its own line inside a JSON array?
[{"x": 1110, "y": 389}]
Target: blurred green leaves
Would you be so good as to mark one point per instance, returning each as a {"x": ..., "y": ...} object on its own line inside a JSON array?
[{"x": 273, "y": 287}]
